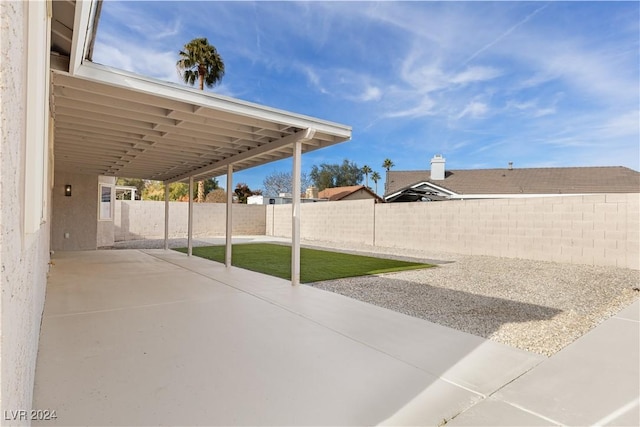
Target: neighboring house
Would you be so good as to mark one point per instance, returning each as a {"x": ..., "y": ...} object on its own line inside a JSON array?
[
  {"x": 309, "y": 196},
  {"x": 510, "y": 182},
  {"x": 353, "y": 192}
]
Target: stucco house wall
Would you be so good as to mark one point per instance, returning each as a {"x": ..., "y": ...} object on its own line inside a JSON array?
[
  {"x": 74, "y": 216},
  {"x": 24, "y": 214}
]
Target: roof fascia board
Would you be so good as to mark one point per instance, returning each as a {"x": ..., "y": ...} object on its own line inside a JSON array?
[
  {"x": 112, "y": 76},
  {"x": 81, "y": 25},
  {"x": 514, "y": 196},
  {"x": 300, "y": 136},
  {"x": 435, "y": 187},
  {"x": 418, "y": 184}
]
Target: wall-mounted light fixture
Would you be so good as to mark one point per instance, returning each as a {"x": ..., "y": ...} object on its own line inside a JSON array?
[{"x": 67, "y": 190}]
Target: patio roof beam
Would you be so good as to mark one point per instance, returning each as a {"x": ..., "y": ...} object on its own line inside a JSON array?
[
  {"x": 263, "y": 149},
  {"x": 129, "y": 125}
]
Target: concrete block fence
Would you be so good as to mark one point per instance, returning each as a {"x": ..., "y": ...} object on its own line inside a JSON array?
[
  {"x": 600, "y": 229},
  {"x": 135, "y": 220}
]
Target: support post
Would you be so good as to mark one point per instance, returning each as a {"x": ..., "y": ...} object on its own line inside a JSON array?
[
  {"x": 228, "y": 229},
  {"x": 190, "y": 222},
  {"x": 166, "y": 216},
  {"x": 295, "y": 213}
]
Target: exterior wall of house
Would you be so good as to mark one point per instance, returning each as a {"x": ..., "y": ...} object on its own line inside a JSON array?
[
  {"x": 359, "y": 195},
  {"x": 600, "y": 229},
  {"x": 24, "y": 196},
  {"x": 135, "y": 220},
  {"x": 74, "y": 224}
]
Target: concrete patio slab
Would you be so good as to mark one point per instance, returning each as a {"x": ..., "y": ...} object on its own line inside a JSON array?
[
  {"x": 486, "y": 365},
  {"x": 134, "y": 339},
  {"x": 493, "y": 412},
  {"x": 594, "y": 381}
]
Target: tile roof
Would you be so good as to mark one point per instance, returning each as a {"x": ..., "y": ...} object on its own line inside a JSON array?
[
  {"x": 339, "y": 193},
  {"x": 570, "y": 180}
]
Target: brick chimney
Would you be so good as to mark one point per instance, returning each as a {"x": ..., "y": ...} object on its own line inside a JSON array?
[{"x": 437, "y": 167}]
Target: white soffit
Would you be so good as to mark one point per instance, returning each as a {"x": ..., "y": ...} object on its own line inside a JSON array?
[{"x": 114, "y": 123}]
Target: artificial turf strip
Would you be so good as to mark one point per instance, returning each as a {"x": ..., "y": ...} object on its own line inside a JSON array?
[{"x": 315, "y": 265}]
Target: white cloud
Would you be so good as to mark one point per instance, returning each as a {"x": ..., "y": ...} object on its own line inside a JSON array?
[
  {"x": 147, "y": 61},
  {"x": 424, "y": 108},
  {"x": 625, "y": 124},
  {"x": 474, "y": 109},
  {"x": 371, "y": 93},
  {"x": 475, "y": 74}
]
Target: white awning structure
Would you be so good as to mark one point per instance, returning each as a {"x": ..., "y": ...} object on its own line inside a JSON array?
[{"x": 115, "y": 123}]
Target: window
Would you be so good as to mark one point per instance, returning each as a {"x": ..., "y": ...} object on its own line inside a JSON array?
[{"x": 106, "y": 205}]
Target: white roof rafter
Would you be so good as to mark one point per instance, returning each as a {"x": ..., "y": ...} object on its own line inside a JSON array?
[{"x": 111, "y": 122}]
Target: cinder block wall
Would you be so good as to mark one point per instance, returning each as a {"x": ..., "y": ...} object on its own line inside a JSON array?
[
  {"x": 600, "y": 229},
  {"x": 145, "y": 219},
  {"x": 345, "y": 221},
  {"x": 279, "y": 220}
]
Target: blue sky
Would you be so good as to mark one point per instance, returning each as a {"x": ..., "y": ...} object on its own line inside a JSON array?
[{"x": 538, "y": 84}]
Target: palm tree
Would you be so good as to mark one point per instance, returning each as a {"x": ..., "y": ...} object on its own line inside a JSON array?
[
  {"x": 387, "y": 164},
  {"x": 366, "y": 170},
  {"x": 200, "y": 60},
  {"x": 375, "y": 177}
]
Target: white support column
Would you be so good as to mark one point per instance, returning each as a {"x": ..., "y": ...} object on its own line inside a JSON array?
[
  {"x": 190, "y": 222},
  {"x": 166, "y": 216},
  {"x": 228, "y": 232},
  {"x": 295, "y": 215}
]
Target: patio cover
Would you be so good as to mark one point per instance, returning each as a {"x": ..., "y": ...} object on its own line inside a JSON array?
[
  {"x": 114, "y": 123},
  {"x": 111, "y": 122}
]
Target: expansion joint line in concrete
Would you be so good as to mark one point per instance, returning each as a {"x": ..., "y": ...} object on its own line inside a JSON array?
[{"x": 309, "y": 319}]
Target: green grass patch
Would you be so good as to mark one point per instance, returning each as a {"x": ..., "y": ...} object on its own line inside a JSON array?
[{"x": 315, "y": 265}]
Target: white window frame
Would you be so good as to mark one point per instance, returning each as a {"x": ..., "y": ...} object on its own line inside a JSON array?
[
  {"x": 101, "y": 207},
  {"x": 37, "y": 126}
]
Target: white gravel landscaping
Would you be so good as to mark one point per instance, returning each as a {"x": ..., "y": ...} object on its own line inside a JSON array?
[{"x": 532, "y": 305}]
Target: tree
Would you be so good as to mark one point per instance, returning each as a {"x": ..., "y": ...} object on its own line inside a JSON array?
[
  {"x": 336, "y": 175},
  {"x": 200, "y": 60},
  {"x": 210, "y": 184},
  {"x": 243, "y": 191},
  {"x": 216, "y": 196},
  {"x": 154, "y": 190},
  {"x": 387, "y": 164},
  {"x": 366, "y": 170},
  {"x": 375, "y": 177},
  {"x": 133, "y": 182},
  {"x": 282, "y": 182}
]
